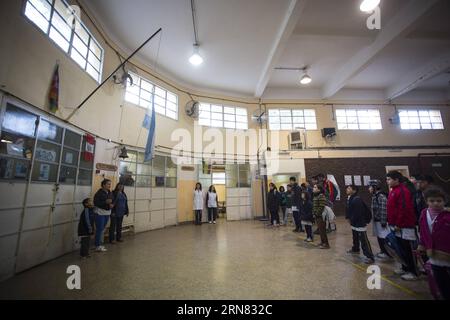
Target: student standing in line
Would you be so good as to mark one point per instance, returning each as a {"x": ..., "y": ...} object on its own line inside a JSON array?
[
  {"x": 359, "y": 216},
  {"x": 379, "y": 214},
  {"x": 198, "y": 204},
  {"x": 273, "y": 204},
  {"x": 435, "y": 238},
  {"x": 319, "y": 203},
  {"x": 119, "y": 210},
  {"x": 212, "y": 203},
  {"x": 423, "y": 183},
  {"x": 86, "y": 227},
  {"x": 402, "y": 220},
  {"x": 288, "y": 205},
  {"x": 282, "y": 195},
  {"x": 306, "y": 215},
  {"x": 296, "y": 198},
  {"x": 103, "y": 201}
]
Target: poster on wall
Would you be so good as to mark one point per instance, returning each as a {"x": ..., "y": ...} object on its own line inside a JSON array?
[
  {"x": 21, "y": 170},
  {"x": 44, "y": 172},
  {"x": 45, "y": 155},
  {"x": 6, "y": 168},
  {"x": 357, "y": 180},
  {"x": 348, "y": 180}
]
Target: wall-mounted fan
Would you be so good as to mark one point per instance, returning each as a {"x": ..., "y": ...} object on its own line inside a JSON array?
[
  {"x": 192, "y": 109},
  {"x": 259, "y": 117}
]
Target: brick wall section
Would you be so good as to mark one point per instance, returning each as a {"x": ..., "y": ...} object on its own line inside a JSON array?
[{"x": 376, "y": 169}]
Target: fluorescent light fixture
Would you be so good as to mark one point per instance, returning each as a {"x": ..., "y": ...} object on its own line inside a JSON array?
[
  {"x": 6, "y": 141},
  {"x": 305, "y": 79},
  {"x": 196, "y": 59},
  {"x": 369, "y": 5}
]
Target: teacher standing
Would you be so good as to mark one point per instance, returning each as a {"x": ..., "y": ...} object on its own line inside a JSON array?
[
  {"x": 198, "y": 203},
  {"x": 103, "y": 202},
  {"x": 119, "y": 210}
]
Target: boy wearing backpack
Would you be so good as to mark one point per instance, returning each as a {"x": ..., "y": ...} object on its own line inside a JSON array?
[
  {"x": 402, "y": 221},
  {"x": 359, "y": 216}
]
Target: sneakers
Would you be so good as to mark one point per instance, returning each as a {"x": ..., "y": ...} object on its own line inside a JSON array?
[
  {"x": 295, "y": 230},
  {"x": 351, "y": 251},
  {"x": 369, "y": 260},
  {"x": 409, "y": 277},
  {"x": 399, "y": 271},
  {"x": 210, "y": 222},
  {"x": 101, "y": 249},
  {"x": 382, "y": 256},
  {"x": 308, "y": 240},
  {"x": 324, "y": 246},
  {"x": 214, "y": 222}
]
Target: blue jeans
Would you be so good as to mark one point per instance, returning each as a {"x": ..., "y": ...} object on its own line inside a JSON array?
[{"x": 100, "y": 225}]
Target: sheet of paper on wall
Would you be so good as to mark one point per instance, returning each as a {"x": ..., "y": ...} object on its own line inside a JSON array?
[
  {"x": 348, "y": 180},
  {"x": 366, "y": 180},
  {"x": 357, "y": 181}
]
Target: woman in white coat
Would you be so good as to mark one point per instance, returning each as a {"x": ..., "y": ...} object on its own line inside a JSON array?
[
  {"x": 198, "y": 203},
  {"x": 212, "y": 203}
]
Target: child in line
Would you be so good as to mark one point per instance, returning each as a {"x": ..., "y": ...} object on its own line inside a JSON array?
[
  {"x": 435, "y": 238},
  {"x": 359, "y": 216},
  {"x": 273, "y": 204},
  {"x": 86, "y": 227},
  {"x": 306, "y": 215},
  {"x": 283, "y": 206},
  {"x": 288, "y": 205}
]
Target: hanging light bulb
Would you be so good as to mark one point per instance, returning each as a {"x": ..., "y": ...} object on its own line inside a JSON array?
[
  {"x": 369, "y": 5},
  {"x": 305, "y": 78},
  {"x": 196, "y": 59}
]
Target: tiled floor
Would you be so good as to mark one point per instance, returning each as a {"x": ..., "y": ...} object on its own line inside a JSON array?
[{"x": 230, "y": 260}]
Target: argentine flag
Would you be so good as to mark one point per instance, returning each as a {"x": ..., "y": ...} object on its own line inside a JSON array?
[{"x": 150, "y": 124}]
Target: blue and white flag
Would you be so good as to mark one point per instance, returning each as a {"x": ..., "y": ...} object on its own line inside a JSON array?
[{"x": 149, "y": 123}]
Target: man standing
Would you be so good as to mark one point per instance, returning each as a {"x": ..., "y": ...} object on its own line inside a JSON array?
[
  {"x": 423, "y": 183},
  {"x": 402, "y": 220},
  {"x": 295, "y": 200},
  {"x": 359, "y": 216},
  {"x": 379, "y": 213}
]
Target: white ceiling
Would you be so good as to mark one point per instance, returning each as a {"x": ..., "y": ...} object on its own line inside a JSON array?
[{"x": 242, "y": 40}]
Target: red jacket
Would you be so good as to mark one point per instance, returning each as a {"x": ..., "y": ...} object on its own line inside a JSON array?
[{"x": 400, "y": 209}]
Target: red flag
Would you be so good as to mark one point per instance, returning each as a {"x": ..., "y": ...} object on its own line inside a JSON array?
[
  {"x": 88, "y": 153},
  {"x": 53, "y": 95}
]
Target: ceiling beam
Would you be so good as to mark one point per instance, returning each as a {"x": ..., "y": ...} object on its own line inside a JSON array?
[
  {"x": 287, "y": 27},
  {"x": 396, "y": 27},
  {"x": 415, "y": 78}
]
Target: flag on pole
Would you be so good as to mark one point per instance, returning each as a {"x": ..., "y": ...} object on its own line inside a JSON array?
[
  {"x": 149, "y": 123},
  {"x": 53, "y": 94}
]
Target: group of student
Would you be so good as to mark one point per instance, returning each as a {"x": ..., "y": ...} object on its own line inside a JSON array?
[
  {"x": 411, "y": 223},
  {"x": 107, "y": 206},
  {"x": 307, "y": 205},
  {"x": 211, "y": 201}
]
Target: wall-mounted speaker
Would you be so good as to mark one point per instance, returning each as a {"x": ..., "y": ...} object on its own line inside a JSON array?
[{"x": 328, "y": 132}]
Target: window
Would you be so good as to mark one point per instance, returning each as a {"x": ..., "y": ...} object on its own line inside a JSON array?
[
  {"x": 219, "y": 116},
  {"x": 141, "y": 93},
  {"x": 55, "y": 19},
  {"x": 287, "y": 119},
  {"x": 421, "y": 119},
  {"x": 352, "y": 119}
]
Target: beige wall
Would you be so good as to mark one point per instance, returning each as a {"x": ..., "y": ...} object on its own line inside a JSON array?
[{"x": 28, "y": 58}]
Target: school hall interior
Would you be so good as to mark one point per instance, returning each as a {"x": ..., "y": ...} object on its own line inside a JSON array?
[{"x": 160, "y": 95}]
